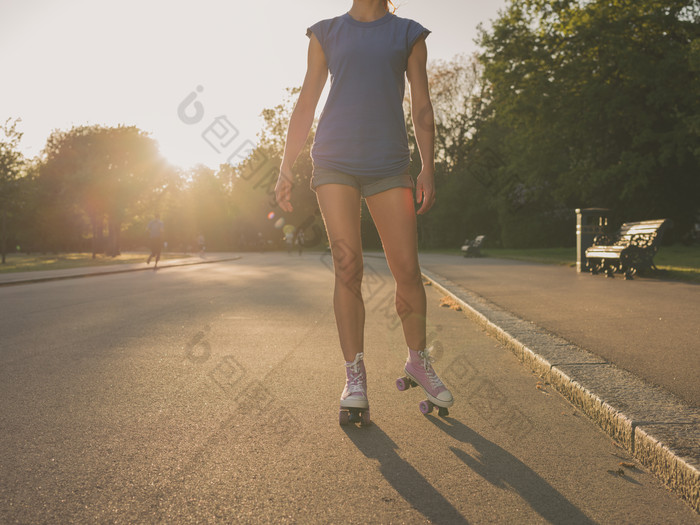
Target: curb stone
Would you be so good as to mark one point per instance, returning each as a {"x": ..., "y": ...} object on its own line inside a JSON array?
[
  {"x": 660, "y": 431},
  {"x": 93, "y": 271}
]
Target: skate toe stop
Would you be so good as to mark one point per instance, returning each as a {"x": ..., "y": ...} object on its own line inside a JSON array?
[{"x": 445, "y": 396}]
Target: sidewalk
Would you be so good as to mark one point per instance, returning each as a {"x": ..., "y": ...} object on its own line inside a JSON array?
[
  {"x": 13, "y": 278},
  {"x": 624, "y": 352}
]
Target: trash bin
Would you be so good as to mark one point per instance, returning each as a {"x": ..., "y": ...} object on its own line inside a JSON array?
[{"x": 589, "y": 223}]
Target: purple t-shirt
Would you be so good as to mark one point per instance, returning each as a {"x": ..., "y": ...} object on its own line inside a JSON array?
[{"x": 362, "y": 128}]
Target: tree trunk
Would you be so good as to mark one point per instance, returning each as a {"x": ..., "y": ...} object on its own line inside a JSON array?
[
  {"x": 115, "y": 227},
  {"x": 3, "y": 244},
  {"x": 97, "y": 234},
  {"x": 93, "y": 221}
]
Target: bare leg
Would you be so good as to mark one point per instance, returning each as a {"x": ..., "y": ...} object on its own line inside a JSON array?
[
  {"x": 395, "y": 219},
  {"x": 340, "y": 206}
]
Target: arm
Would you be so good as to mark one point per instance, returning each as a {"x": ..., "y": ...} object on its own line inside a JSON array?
[
  {"x": 302, "y": 119},
  {"x": 423, "y": 123}
]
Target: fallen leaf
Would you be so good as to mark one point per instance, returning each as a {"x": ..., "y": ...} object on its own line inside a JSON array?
[{"x": 448, "y": 302}]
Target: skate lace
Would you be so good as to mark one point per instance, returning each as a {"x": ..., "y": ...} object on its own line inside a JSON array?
[
  {"x": 429, "y": 371},
  {"x": 355, "y": 383}
]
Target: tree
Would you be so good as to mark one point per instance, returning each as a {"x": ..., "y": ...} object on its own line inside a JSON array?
[
  {"x": 254, "y": 179},
  {"x": 11, "y": 164},
  {"x": 106, "y": 171},
  {"x": 203, "y": 207},
  {"x": 464, "y": 205},
  {"x": 593, "y": 104}
]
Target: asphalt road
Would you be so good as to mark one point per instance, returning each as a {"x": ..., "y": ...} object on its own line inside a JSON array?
[{"x": 210, "y": 394}]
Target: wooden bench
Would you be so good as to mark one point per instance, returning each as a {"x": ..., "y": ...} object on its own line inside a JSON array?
[
  {"x": 631, "y": 251},
  {"x": 473, "y": 248}
]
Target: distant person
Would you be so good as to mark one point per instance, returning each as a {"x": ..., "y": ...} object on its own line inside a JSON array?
[
  {"x": 200, "y": 243},
  {"x": 289, "y": 241},
  {"x": 300, "y": 240},
  {"x": 361, "y": 150},
  {"x": 155, "y": 230}
]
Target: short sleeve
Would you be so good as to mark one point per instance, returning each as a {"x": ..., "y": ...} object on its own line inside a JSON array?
[
  {"x": 415, "y": 31},
  {"x": 318, "y": 30}
]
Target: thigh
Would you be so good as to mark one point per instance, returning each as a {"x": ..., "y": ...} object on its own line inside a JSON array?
[
  {"x": 340, "y": 208},
  {"x": 394, "y": 216}
]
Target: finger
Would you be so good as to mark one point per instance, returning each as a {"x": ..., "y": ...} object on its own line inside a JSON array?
[
  {"x": 428, "y": 201},
  {"x": 285, "y": 204},
  {"x": 285, "y": 197},
  {"x": 282, "y": 188},
  {"x": 419, "y": 192}
]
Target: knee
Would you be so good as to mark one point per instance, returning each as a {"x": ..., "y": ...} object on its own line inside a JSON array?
[
  {"x": 347, "y": 264},
  {"x": 408, "y": 276},
  {"x": 349, "y": 275}
]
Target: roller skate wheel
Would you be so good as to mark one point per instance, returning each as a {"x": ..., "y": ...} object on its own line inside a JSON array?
[
  {"x": 344, "y": 417},
  {"x": 426, "y": 407},
  {"x": 365, "y": 419},
  {"x": 402, "y": 384},
  {"x": 443, "y": 412}
]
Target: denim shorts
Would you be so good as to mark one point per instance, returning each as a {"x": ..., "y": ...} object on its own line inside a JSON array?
[{"x": 368, "y": 186}]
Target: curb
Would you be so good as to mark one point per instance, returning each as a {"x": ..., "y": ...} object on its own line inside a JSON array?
[
  {"x": 660, "y": 431},
  {"x": 108, "y": 271}
]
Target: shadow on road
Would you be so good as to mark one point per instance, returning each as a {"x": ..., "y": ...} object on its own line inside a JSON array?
[
  {"x": 407, "y": 481},
  {"x": 503, "y": 470}
]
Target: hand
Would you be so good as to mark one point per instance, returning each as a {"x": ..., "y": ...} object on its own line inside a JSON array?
[
  {"x": 425, "y": 191},
  {"x": 283, "y": 189}
]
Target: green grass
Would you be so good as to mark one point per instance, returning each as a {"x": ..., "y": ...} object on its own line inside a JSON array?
[
  {"x": 678, "y": 256},
  {"x": 678, "y": 262},
  {"x": 564, "y": 256},
  {"x": 31, "y": 263},
  {"x": 442, "y": 251}
]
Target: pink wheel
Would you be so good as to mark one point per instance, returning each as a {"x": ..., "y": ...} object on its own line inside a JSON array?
[
  {"x": 365, "y": 419},
  {"x": 402, "y": 383},
  {"x": 344, "y": 417},
  {"x": 426, "y": 407}
]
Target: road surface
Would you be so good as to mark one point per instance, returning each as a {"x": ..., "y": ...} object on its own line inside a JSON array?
[{"x": 210, "y": 394}]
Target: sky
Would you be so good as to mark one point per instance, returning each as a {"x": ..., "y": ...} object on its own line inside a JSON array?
[{"x": 195, "y": 75}]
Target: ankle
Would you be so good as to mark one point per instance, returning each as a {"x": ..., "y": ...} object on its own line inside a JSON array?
[
  {"x": 415, "y": 356},
  {"x": 358, "y": 358}
]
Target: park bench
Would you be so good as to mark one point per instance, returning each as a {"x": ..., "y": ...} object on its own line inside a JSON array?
[
  {"x": 631, "y": 251},
  {"x": 473, "y": 248}
]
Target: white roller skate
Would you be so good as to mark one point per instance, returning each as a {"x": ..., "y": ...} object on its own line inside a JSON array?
[{"x": 354, "y": 406}]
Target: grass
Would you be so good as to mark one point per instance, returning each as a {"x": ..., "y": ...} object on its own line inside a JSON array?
[
  {"x": 563, "y": 256},
  {"x": 30, "y": 263},
  {"x": 678, "y": 256},
  {"x": 677, "y": 262}
]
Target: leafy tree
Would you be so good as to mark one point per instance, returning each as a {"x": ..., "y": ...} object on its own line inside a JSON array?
[
  {"x": 106, "y": 171},
  {"x": 254, "y": 179},
  {"x": 593, "y": 103},
  {"x": 205, "y": 208},
  {"x": 464, "y": 205},
  {"x": 11, "y": 165}
]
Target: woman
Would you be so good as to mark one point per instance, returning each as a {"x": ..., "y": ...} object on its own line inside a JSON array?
[{"x": 361, "y": 150}]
